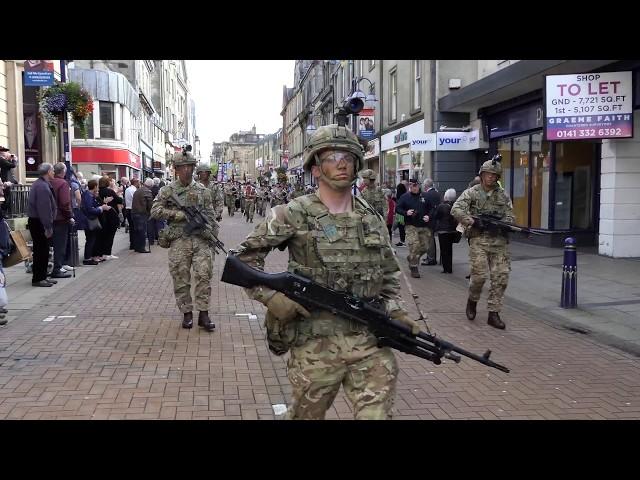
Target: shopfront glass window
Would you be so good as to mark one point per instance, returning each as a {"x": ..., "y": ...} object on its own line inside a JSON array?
[
  {"x": 521, "y": 179},
  {"x": 418, "y": 165},
  {"x": 504, "y": 149},
  {"x": 575, "y": 167},
  {"x": 540, "y": 164},
  {"x": 404, "y": 163},
  {"x": 390, "y": 165}
]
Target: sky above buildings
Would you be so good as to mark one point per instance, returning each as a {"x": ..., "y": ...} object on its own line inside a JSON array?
[{"x": 234, "y": 95}]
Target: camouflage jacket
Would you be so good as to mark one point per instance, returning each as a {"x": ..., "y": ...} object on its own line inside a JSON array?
[
  {"x": 193, "y": 195},
  {"x": 475, "y": 200},
  {"x": 375, "y": 198},
  {"x": 218, "y": 197},
  {"x": 349, "y": 252}
]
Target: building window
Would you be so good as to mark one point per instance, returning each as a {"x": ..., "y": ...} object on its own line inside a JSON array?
[
  {"x": 88, "y": 128},
  {"x": 416, "y": 94},
  {"x": 372, "y": 64},
  {"x": 106, "y": 120},
  {"x": 393, "y": 93}
]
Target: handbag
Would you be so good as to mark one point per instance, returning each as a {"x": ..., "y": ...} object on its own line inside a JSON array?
[
  {"x": 457, "y": 237},
  {"x": 399, "y": 219},
  {"x": 94, "y": 224}
]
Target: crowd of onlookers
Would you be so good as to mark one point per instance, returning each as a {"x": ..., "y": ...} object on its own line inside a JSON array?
[
  {"x": 62, "y": 202},
  {"x": 440, "y": 221}
]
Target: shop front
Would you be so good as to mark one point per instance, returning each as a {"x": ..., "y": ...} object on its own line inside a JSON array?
[
  {"x": 399, "y": 162},
  {"x": 112, "y": 162},
  {"x": 554, "y": 185}
]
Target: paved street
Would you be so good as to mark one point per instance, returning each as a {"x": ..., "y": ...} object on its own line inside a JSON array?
[{"x": 107, "y": 345}]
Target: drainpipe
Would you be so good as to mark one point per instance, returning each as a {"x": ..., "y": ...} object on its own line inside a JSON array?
[{"x": 433, "y": 93}]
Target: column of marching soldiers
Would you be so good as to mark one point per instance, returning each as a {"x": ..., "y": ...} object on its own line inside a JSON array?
[{"x": 338, "y": 236}]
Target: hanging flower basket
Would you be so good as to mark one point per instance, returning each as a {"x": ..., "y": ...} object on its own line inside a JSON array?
[{"x": 69, "y": 97}]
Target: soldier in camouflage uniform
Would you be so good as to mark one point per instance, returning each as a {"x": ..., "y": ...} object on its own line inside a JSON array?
[
  {"x": 279, "y": 192},
  {"x": 341, "y": 242},
  {"x": 260, "y": 199},
  {"x": 297, "y": 192},
  {"x": 230, "y": 197},
  {"x": 203, "y": 172},
  {"x": 488, "y": 251},
  {"x": 373, "y": 194},
  {"x": 185, "y": 250},
  {"x": 249, "y": 201}
]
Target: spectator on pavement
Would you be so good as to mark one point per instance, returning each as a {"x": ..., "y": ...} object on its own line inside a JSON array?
[
  {"x": 110, "y": 219},
  {"x": 91, "y": 209},
  {"x": 8, "y": 163},
  {"x": 128, "y": 199},
  {"x": 391, "y": 204},
  {"x": 401, "y": 189},
  {"x": 446, "y": 228},
  {"x": 76, "y": 200},
  {"x": 42, "y": 212},
  {"x": 141, "y": 211},
  {"x": 63, "y": 219}
]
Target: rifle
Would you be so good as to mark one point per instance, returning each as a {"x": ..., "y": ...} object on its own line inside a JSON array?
[
  {"x": 493, "y": 224},
  {"x": 196, "y": 223},
  {"x": 388, "y": 331}
]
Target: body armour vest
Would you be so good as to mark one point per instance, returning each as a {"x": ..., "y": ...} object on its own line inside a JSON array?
[{"x": 341, "y": 251}]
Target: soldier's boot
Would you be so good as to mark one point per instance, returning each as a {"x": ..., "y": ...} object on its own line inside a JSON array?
[
  {"x": 495, "y": 322},
  {"x": 414, "y": 272},
  {"x": 187, "y": 321},
  {"x": 205, "y": 322},
  {"x": 471, "y": 309}
]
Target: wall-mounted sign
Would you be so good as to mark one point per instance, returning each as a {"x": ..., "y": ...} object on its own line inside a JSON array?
[
  {"x": 366, "y": 128},
  {"x": 373, "y": 149},
  {"x": 38, "y": 73},
  {"x": 446, "y": 141},
  {"x": 589, "y": 105},
  {"x": 402, "y": 136}
]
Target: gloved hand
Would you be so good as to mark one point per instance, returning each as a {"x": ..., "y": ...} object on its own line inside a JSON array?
[
  {"x": 179, "y": 216},
  {"x": 466, "y": 221},
  {"x": 403, "y": 317},
  {"x": 285, "y": 309}
]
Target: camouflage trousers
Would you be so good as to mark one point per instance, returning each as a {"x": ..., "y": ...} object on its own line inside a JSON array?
[
  {"x": 230, "y": 200},
  {"x": 489, "y": 255},
  {"x": 418, "y": 240},
  {"x": 249, "y": 209},
  {"x": 318, "y": 367},
  {"x": 183, "y": 253}
]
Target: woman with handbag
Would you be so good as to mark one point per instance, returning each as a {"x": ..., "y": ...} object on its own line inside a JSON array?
[
  {"x": 446, "y": 228},
  {"x": 89, "y": 220}
]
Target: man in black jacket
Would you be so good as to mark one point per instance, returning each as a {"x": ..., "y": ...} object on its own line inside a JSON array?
[
  {"x": 432, "y": 197},
  {"x": 415, "y": 209}
]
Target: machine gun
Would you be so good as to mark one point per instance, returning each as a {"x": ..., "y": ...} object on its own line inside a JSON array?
[
  {"x": 199, "y": 224},
  {"x": 388, "y": 331},
  {"x": 494, "y": 225}
]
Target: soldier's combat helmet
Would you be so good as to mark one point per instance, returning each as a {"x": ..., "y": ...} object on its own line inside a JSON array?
[
  {"x": 202, "y": 168},
  {"x": 332, "y": 137},
  {"x": 368, "y": 174},
  {"x": 492, "y": 166},
  {"x": 185, "y": 157}
]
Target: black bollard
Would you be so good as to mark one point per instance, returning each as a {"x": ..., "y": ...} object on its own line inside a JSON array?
[{"x": 568, "y": 298}]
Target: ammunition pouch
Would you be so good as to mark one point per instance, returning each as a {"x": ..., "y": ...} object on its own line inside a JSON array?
[
  {"x": 280, "y": 337},
  {"x": 167, "y": 235}
]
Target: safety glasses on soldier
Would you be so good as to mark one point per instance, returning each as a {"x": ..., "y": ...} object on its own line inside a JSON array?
[{"x": 335, "y": 157}]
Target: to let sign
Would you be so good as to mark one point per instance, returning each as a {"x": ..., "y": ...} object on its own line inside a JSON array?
[{"x": 589, "y": 105}]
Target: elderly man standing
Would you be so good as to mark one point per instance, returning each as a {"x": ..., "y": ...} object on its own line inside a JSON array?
[
  {"x": 63, "y": 220},
  {"x": 140, "y": 212},
  {"x": 128, "y": 199},
  {"x": 42, "y": 212}
]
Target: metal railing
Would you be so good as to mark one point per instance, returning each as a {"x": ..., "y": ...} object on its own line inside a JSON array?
[{"x": 16, "y": 202}]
